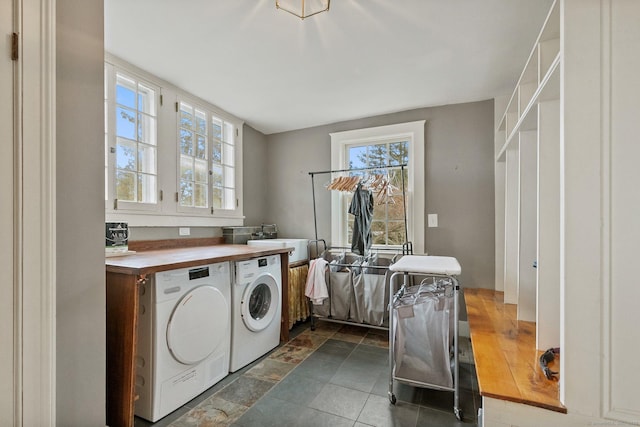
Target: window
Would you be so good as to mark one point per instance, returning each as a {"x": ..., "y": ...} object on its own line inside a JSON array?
[
  {"x": 171, "y": 158},
  {"x": 388, "y": 223},
  {"x": 206, "y": 160},
  {"x": 131, "y": 135},
  {"x": 392, "y": 146}
]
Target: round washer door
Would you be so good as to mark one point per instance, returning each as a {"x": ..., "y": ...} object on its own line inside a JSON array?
[
  {"x": 260, "y": 303},
  {"x": 198, "y": 324}
]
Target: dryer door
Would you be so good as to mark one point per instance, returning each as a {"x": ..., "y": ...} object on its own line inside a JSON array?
[
  {"x": 259, "y": 303},
  {"x": 198, "y": 324}
]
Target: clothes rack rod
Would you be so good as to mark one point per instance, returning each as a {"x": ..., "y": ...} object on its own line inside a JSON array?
[
  {"x": 402, "y": 166},
  {"x": 404, "y": 202}
]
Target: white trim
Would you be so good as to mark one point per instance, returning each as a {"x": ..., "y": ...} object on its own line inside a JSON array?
[
  {"x": 36, "y": 215},
  {"x": 415, "y": 191},
  {"x": 141, "y": 219}
]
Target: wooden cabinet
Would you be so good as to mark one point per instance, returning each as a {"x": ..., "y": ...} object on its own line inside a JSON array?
[{"x": 124, "y": 275}]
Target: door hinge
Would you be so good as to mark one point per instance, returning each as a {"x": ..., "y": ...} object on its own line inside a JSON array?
[
  {"x": 211, "y": 210},
  {"x": 237, "y": 203},
  {"x": 176, "y": 107},
  {"x": 237, "y": 132},
  {"x": 15, "y": 46},
  {"x": 115, "y": 204},
  {"x": 161, "y": 195},
  {"x": 177, "y": 200},
  {"x": 161, "y": 100}
]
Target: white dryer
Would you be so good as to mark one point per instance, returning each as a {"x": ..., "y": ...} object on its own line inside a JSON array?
[
  {"x": 255, "y": 320},
  {"x": 184, "y": 337}
]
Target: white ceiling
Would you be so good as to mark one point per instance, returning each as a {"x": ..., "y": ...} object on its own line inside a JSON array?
[{"x": 360, "y": 59}]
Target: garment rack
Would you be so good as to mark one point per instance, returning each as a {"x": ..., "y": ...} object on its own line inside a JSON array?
[
  {"x": 406, "y": 249},
  {"x": 404, "y": 202}
]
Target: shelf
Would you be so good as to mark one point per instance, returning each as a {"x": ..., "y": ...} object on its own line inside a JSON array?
[
  {"x": 549, "y": 89},
  {"x": 537, "y": 74}
]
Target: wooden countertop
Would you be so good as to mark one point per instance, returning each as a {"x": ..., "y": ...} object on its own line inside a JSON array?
[
  {"x": 148, "y": 262},
  {"x": 505, "y": 354}
]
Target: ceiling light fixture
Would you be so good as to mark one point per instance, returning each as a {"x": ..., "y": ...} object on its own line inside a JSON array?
[{"x": 303, "y": 8}]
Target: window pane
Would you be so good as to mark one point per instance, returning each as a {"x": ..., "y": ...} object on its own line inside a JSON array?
[
  {"x": 216, "y": 201},
  {"x": 228, "y": 154},
  {"x": 217, "y": 152},
  {"x": 147, "y": 188},
  {"x": 229, "y": 176},
  {"x": 186, "y": 116},
  {"x": 186, "y": 193},
  {"x": 125, "y": 154},
  {"x": 201, "y": 122},
  {"x": 186, "y": 142},
  {"x": 398, "y": 153},
  {"x": 229, "y": 198},
  {"x": 216, "y": 176},
  {"x": 378, "y": 233},
  {"x": 125, "y": 123},
  {"x": 395, "y": 207},
  {"x": 377, "y": 155},
  {"x": 125, "y": 92},
  {"x": 379, "y": 212},
  {"x": 186, "y": 168},
  {"x": 200, "y": 196},
  {"x": 357, "y": 157},
  {"x": 146, "y": 100},
  {"x": 228, "y": 133},
  {"x": 201, "y": 171},
  {"x": 396, "y": 232},
  {"x": 201, "y": 146},
  {"x": 146, "y": 159},
  {"x": 216, "y": 128},
  {"x": 146, "y": 129},
  {"x": 126, "y": 186}
]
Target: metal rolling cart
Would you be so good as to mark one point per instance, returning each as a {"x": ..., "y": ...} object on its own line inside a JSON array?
[{"x": 421, "y": 323}]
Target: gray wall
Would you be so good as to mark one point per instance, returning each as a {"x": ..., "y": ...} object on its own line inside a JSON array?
[
  {"x": 80, "y": 292},
  {"x": 459, "y": 182},
  {"x": 254, "y": 174}
]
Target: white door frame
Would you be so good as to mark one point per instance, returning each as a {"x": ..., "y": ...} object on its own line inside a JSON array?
[{"x": 33, "y": 222}]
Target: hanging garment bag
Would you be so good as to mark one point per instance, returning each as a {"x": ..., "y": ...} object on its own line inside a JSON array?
[{"x": 421, "y": 327}]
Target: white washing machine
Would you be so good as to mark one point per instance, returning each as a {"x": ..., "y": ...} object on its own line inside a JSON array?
[
  {"x": 255, "y": 319},
  {"x": 184, "y": 337}
]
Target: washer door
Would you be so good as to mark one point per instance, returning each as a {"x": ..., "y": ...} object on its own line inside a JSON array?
[
  {"x": 198, "y": 324},
  {"x": 260, "y": 303}
]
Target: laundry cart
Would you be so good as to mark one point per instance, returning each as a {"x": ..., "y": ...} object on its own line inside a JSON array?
[{"x": 423, "y": 325}]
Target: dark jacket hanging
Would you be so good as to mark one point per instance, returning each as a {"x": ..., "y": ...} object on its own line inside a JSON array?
[{"x": 362, "y": 209}]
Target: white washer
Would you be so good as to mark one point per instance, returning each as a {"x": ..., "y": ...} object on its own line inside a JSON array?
[
  {"x": 184, "y": 337},
  {"x": 255, "y": 319}
]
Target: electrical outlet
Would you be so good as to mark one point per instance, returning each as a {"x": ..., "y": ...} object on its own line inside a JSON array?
[
  {"x": 432, "y": 220},
  {"x": 185, "y": 231}
]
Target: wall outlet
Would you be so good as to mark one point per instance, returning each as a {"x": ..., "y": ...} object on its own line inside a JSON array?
[
  {"x": 185, "y": 231},
  {"x": 432, "y": 220}
]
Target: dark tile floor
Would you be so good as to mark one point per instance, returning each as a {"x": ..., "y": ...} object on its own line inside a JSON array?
[{"x": 337, "y": 375}]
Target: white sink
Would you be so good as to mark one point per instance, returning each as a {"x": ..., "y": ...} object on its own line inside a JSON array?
[{"x": 300, "y": 251}]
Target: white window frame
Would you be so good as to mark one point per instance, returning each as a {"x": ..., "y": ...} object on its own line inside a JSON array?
[
  {"x": 413, "y": 133},
  {"x": 210, "y": 114},
  {"x": 112, "y": 71},
  {"x": 167, "y": 212}
]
